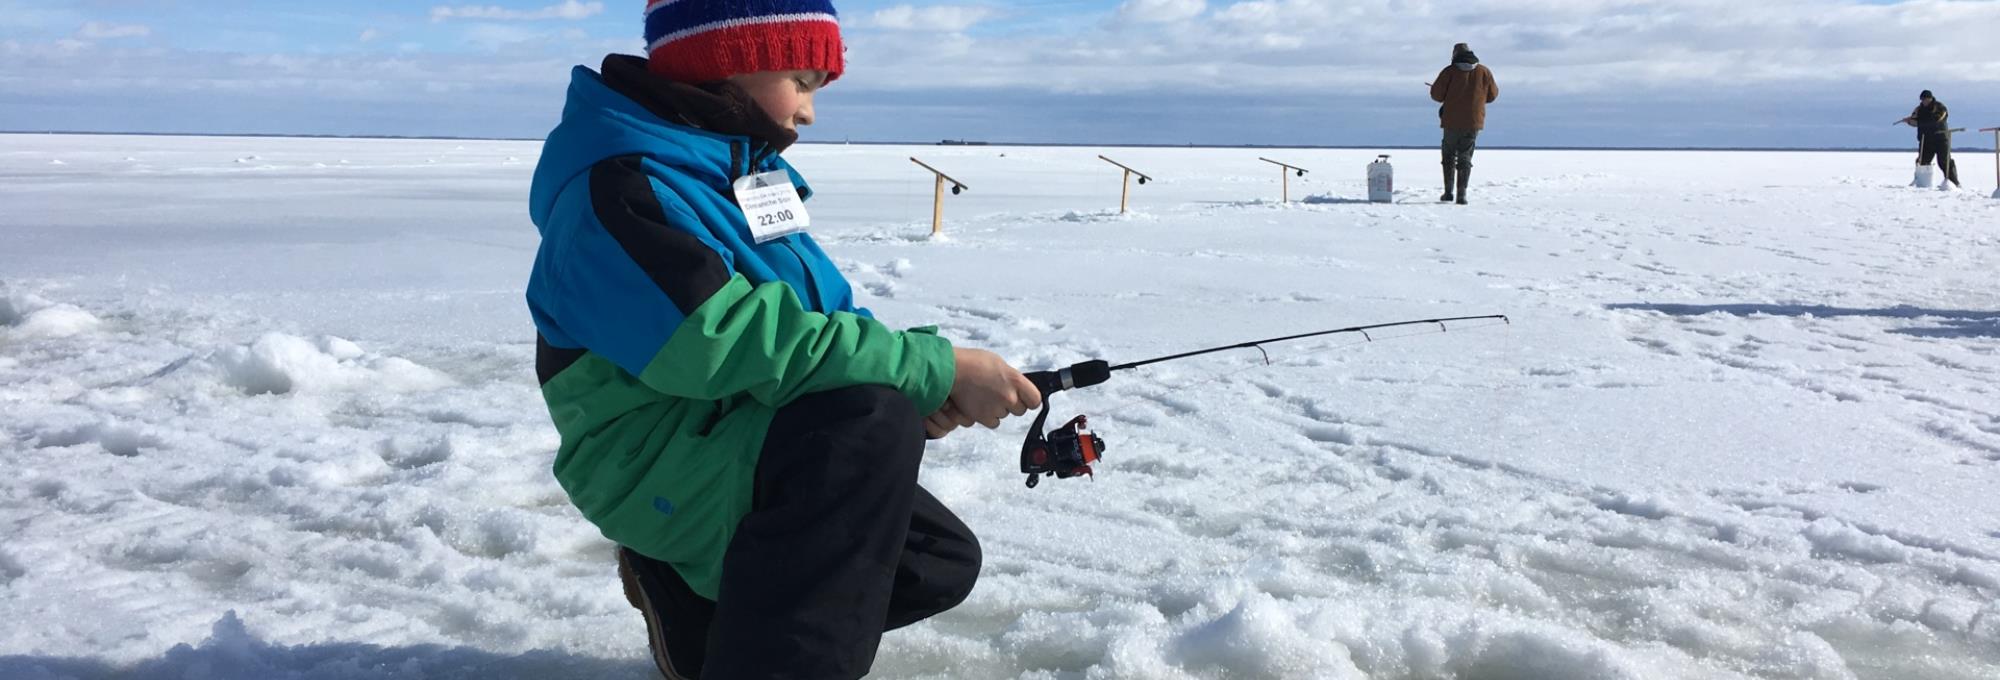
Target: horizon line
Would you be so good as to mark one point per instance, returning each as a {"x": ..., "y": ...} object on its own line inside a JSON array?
[{"x": 969, "y": 143}]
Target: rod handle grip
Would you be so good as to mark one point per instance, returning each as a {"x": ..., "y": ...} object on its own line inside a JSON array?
[{"x": 1086, "y": 374}]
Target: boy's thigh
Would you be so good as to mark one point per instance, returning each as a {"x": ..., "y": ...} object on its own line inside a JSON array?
[{"x": 845, "y": 434}]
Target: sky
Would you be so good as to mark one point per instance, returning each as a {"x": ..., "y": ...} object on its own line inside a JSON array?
[{"x": 1702, "y": 73}]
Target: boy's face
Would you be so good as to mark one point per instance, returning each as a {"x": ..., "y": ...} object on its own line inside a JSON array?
[{"x": 786, "y": 96}]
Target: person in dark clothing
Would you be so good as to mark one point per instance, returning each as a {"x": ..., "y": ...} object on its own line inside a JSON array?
[
  {"x": 1462, "y": 90},
  {"x": 1933, "y": 123}
]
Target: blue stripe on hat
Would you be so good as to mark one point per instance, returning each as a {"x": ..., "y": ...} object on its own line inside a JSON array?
[{"x": 683, "y": 15}]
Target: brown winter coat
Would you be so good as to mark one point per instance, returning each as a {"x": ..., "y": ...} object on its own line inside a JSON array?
[{"x": 1465, "y": 95}]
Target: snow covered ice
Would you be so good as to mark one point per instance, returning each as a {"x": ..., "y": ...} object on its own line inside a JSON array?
[{"x": 267, "y": 411}]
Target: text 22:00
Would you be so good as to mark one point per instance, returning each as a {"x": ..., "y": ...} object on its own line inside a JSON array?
[{"x": 774, "y": 218}]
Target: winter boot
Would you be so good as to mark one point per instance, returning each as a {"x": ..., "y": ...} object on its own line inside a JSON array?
[
  {"x": 1464, "y": 178},
  {"x": 676, "y": 618},
  {"x": 1449, "y": 175}
]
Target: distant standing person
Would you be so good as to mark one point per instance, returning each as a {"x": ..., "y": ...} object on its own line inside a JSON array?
[
  {"x": 1464, "y": 88},
  {"x": 1933, "y": 123}
]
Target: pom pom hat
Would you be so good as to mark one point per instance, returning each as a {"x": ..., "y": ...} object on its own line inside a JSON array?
[{"x": 702, "y": 41}]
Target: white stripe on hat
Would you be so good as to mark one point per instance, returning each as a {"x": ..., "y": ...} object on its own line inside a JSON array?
[
  {"x": 656, "y": 4},
  {"x": 733, "y": 23}
]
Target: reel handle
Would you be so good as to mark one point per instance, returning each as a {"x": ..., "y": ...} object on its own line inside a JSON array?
[{"x": 1086, "y": 374}]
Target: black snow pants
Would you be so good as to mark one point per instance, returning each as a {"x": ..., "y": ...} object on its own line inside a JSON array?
[
  {"x": 1457, "y": 147},
  {"x": 1937, "y": 145},
  {"x": 840, "y": 544}
]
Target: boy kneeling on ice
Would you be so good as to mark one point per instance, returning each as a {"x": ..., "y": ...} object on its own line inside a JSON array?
[{"x": 729, "y": 417}]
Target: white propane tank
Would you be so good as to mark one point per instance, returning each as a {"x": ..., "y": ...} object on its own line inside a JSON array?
[
  {"x": 1381, "y": 180},
  {"x": 1923, "y": 180}
]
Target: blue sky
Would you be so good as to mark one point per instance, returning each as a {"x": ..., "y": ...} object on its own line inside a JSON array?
[{"x": 1581, "y": 72}]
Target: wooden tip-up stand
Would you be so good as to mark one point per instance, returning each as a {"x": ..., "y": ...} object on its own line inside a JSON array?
[
  {"x": 1125, "y": 195},
  {"x": 937, "y": 196},
  {"x": 1285, "y": 177},
  {"x": 1996, "y": 156}
]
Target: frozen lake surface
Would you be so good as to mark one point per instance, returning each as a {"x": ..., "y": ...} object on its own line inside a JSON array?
[{"x": 268, "y": 410}]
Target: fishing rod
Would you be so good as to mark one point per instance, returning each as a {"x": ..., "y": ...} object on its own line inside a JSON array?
[{"x": 1069, "y": 451}]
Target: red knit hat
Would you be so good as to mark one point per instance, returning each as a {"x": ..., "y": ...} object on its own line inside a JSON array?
[{"x": 700, "y": 41}]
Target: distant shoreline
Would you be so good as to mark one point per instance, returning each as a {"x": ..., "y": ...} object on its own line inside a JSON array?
[{"x": 1344, "y": 147}]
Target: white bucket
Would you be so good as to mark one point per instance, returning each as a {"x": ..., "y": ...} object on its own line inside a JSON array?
[
  {"x": 1923, "y": 179},
  {"x": 1381, "y": 181}
]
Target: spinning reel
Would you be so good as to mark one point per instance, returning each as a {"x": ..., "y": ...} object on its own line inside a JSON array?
[{"x": 1066, "y": 451}]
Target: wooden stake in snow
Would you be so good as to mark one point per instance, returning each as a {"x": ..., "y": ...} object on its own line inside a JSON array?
[
  {"x": 1996, "y": 158},
  {"x": 1125, "y": 195},
  {"x": 937, "y": 196},
  {"x": 1285, "y": 177}
]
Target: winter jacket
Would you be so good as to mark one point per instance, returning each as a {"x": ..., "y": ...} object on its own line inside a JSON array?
[
  {"x": 1465, "y": 89},
  {"x": 1931, "y": 118},
  {"x": 668, "y": 337}
]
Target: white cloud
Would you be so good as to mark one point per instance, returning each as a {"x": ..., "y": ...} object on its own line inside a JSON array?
[
  {"x": 569, "y": 9},
  {"x": 97, "y": 30},
  {"x": 1160, "y": 11},
  {"x": 370, "y": 35},
  {"x": 935, "y": 18},
  {"x": 1382, "y": 47},
  {"x": 496, "y": 36},
  {"x": 19, "y": 14},
  {"x": 1643, "y": 67}
]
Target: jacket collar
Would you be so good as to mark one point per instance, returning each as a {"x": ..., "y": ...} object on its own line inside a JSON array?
[{"x": 720, "y": 107}]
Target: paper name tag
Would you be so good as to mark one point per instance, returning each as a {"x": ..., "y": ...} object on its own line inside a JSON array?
[{"x": 771, "y": 205}]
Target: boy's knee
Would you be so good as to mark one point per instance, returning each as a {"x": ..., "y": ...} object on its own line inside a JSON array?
[{"x": 963, "y": 575}]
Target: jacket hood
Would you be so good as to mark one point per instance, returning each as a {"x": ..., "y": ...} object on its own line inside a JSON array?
[{"x": 599, "y": 123}]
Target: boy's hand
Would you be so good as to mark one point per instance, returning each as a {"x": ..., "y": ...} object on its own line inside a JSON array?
[
  {"x": 985, "y": 391},
  {"x": 939, "y": 424}
]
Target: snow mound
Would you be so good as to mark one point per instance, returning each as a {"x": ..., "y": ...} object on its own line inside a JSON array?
[
  {"x": 231, "y": 651},
  {"x": 282, "y": 364},
  {"x": 30, "y": 315},
  {"x": 58, "y": 321},
  {"x": 117, "y": 439},
  {"x": 15, "y": 306},
  {"x": 1100, "y": 216},
  {"x": 1329, "y": 199},
  {"x": 1258, "y": 638},
  {"x": 10, "y": 568}
]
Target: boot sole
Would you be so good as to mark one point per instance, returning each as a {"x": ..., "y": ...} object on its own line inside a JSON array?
[{"x": 655, "y": 632}]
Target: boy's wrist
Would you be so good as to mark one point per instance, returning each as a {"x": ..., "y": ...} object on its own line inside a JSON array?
[{"x": 931, "y": 382}]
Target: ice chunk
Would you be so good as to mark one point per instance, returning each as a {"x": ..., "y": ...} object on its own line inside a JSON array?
[{"x": 280, "y": 364}]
